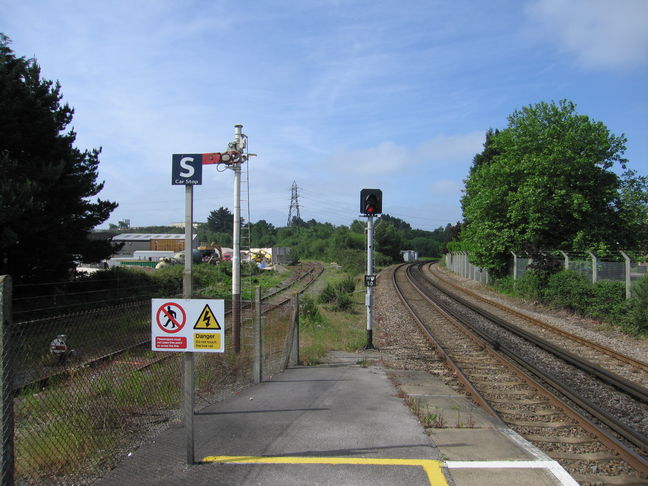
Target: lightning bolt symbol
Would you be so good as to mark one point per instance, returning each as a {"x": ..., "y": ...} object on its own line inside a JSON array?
[{"x": 207, "y": 319}]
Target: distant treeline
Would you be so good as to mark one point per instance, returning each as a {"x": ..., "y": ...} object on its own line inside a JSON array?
[{"x": 325, "y": 241}]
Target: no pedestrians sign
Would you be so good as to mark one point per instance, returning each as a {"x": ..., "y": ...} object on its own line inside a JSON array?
[{"x": 188, "y": 325}]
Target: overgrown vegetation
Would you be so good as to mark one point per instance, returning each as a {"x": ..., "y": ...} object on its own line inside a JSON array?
[
  {"x": 569, "y": 290},
  {"x": 329, "y": 319}
]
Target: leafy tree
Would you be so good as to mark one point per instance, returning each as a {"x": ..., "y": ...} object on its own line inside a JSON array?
[
  {"x": 544, "y": 183},
  {"x": 388, "y": 240},
  {"x": 220, "y": 221},
  {"x": 46, "y": 183},
  {"x": 263, "y": 234}
]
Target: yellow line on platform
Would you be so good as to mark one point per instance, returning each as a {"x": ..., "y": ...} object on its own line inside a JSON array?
[{"x": 431, "y": 468}]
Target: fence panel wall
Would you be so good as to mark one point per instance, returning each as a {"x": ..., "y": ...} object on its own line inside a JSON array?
[
  {"x": 459, "y": 263},
  {"x": 87, "y": 386}
]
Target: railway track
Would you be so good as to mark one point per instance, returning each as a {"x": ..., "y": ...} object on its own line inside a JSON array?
[
  {"x": 630, "y": 368},
  {"x": 134, "y": 353},
  {"x": 524, "y": 386}
]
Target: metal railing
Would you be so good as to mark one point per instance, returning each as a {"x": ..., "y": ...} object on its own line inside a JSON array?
[
  {"x": 78, "y": 388},
  {"x": 622, "y": 267}
]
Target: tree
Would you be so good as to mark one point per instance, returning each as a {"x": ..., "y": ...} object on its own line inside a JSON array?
[
  {"x": 388, "y": 240},
  {"x": 46, "y": 183},
  {"x": 545, "y": 183},
  {"x": 220, "y": 221}
]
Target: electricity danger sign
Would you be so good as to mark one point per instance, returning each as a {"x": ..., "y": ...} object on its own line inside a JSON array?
[{"x": 188, "y": 325}]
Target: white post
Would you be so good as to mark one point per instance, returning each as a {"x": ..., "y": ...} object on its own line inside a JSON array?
[
  {"x": 594, "y": 267},
  {"x": 628, "y": 279},
  {"x": 188, "y": 357},
  {"x": 370, "y": 269},
  {"x": 515, "y": 266},
  {"x": 236, "y": 243},
  {"x": 566, "y": 256}
]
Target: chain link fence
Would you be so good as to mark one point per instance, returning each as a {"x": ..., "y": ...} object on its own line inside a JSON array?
[
  {"x": 625, "y": 267},
  {"x": 85, "y": 386}
]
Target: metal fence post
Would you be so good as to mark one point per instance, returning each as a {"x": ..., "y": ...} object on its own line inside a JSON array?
[
  {"x": 294, "y": 351},
  {"x": 566, "y": 256},
  {"x": 515, "y": 266},
  {"x": 628, "y": 278},
  {"x": 594, "y": 267},
  {"x": 6, "y": 383},
  {"x": 258, "y": 345}
]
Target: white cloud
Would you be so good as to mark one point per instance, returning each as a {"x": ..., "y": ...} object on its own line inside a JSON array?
[
  {"x": 388, "y": 157},
  {"x": 445, "y": 149},
  {"x": 446, "y": 188},
  {"x": 601, "y": 33}
]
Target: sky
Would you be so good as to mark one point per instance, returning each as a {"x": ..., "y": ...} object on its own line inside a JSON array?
[{"x": 337, "y": 95}]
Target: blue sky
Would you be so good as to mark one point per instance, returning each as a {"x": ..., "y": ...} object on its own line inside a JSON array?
[{"x": 337, "y": 95}]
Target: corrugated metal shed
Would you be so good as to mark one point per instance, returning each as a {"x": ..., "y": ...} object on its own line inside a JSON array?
[
  {"x": 151, "y": 241},
  {"x": 149, "y": 236}
]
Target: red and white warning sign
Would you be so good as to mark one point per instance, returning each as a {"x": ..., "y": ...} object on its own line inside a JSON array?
[{"x": 204, "y": 333}]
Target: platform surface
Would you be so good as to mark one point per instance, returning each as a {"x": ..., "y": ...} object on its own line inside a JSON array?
[{"x": 342, "y": 423}]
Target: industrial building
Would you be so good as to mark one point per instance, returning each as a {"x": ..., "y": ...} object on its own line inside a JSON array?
[{"x": 151, "y": 242}]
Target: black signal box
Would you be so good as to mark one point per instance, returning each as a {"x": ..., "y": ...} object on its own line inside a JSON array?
[{"x": 371, "y": 201}]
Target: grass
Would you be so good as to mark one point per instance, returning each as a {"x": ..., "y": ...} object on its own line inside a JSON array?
[{"x": 330, "y": 329}]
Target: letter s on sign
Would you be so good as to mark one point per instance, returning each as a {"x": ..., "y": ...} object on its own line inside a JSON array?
[{"x": 184, "y": 163}]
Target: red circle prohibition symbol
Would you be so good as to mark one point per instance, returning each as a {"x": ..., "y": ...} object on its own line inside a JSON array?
[{"x": 172, "y": 323}]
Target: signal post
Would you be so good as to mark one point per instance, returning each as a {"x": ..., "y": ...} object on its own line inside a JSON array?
[
  {"x": 209, "y": 335},
  {"x": 370, "y": 205}
]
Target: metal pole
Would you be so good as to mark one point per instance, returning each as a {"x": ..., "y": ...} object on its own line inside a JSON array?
[
  {"x": 236, "y": 257},
  {"x": 258, "y": 360},
  {"x": 6, "y": 384},
  {"x": 370, "y": 270},
  {"x": 294, "y": 351},
  {"x": 628, "y": 277},
  {"x": 594, "y": 267},
  {"x": 188, "y": 357}
]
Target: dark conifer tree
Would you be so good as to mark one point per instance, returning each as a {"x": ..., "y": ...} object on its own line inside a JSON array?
[{"x": 47, "y": 185}]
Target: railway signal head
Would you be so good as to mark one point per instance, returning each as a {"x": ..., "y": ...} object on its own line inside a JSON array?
[{"x": 371, "y": 201}]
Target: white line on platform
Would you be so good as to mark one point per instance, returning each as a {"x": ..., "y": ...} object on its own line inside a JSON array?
[{"x": 556, "y": 469}]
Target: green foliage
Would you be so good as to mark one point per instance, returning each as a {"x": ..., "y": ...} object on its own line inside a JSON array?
[
  {"x": 47, "y": 185},
  {"x": 220, "y": 221},
  {"x": 328, "y": 294},
  {"x": 608, "y": 299},
  {"x": 604, "y": 300},
  {"x": 636, "y": 318},
  {"x": 309, "y": 312},
  {"x": 339, "y": 294},
  {"x": 529, "y": 286},
  {"x": 388, "y": 240},
  {"x": 550, "y": 168},
  {"x": 505, "y": 285},
  {"x": 346, "y": 285},
  {"x": 343, "y": 302},
  {"x": 568, "y": 290}
]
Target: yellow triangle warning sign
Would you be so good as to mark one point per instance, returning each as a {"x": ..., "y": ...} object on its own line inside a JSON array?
[{"x": 207, "y": 320}]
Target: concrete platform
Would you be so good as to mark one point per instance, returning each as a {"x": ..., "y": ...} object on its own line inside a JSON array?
[
  {"x": 476, "y": 448},
  {"x": 342, "y": 423}
]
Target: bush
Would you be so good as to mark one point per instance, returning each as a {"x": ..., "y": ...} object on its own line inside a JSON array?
[
  {"x": 529, "y": 286},
  {"x": 328, "y": 294},
  {"x": 636, "y": 318},
  {"x": 309, "y": 312},
  {"x": 569, "y": 290},
  {"x": 343, "y": 302},
  {"x": 607, "y": 298},
  {"x": 339, "y": 294},
  {"x": 505, "y": 285},
  {"x": 346, "y": 286}
]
